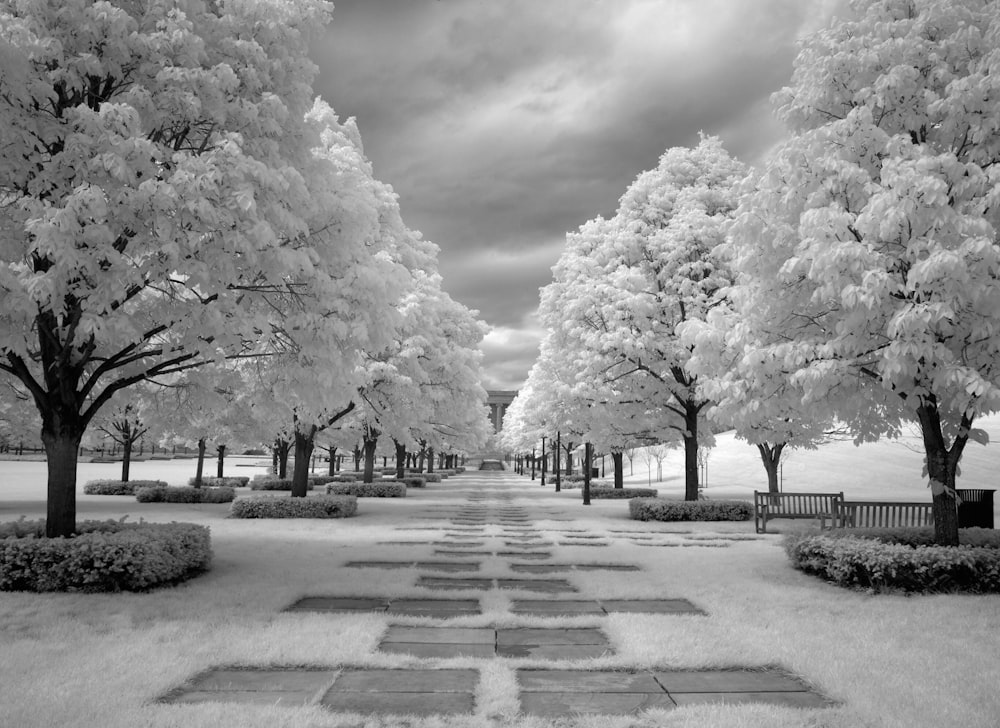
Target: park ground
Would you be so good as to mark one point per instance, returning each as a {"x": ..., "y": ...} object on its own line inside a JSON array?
[{"x": 882, "y": 660}]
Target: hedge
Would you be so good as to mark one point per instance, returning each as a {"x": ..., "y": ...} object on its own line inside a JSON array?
[
  {"x": 414, "y": 481},
  {"x": 236, "y": 481},
  {"x": 606, "y": 492},
  {"x": 118, "y": 487},
  {"x": 268, "y": 483},
  {"x": 920, "y": 536},
  {"x": 431, "y": 477},
  {"x": 849, "y": 561},
  {"x": 185, "y": 494},
  {"x": 377, "y": 489},
  {"x": 102, "y": 556},
  {"x": 345, "y": 478},
  {"x": 660, "y": 509},
  {"x": 319, "y": 506}
]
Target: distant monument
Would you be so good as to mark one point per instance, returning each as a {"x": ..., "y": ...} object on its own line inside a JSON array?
[{"x": 499, "y": 400}]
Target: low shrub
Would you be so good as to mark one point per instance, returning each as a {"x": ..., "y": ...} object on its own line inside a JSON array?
[
  {"x": 661, "y": 509},
  {"x": 316, "y": 480},
  {"x": 319, "y": 506},
  {"x": 849, "y": 561},
  {"x": 236, "y": 481},
  {"x": 185, "y": 494},
  {"x": 431, "y": 477},
  {"x": 573, "y": 477},
  {"x": 377, "y": 489},
  {"x": 606, "y": 492},
  {"x": 118, "y": 487},
  {"x": 345, "y": 478},
  {"x": 102, "y": 556},
  {"x": 270, "y": 483},
  {"x": 984, "y": 537},
  {"x": 414, "y": 481}
]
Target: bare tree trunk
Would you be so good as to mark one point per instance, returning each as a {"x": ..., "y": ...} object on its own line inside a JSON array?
[
  {"x": 691, "y": 451},
  {"x": 304, "y": 443},
  {"x": 770, "y": 455},
  {"x": 281, "y": 448},
  {"x": 400, "y": 459},
  {"x": 222, "y": 461},
  {"x": 126, "y": 457},
  {"x": 430, "y": 460},
  {"x": 588, "y": 457},
  {"x": 942, "y": 467},
  {"x": 370, "y": 441},
  {"x": 357, "y": 458},
  {"x": 616, "y": 458},
  {"x": 201, "y": 462},
  {"x": 333, "y": 460},
  {"x": 61, "y": 452}
]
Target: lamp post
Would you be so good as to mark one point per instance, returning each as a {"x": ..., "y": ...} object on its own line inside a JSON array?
[
  {"x": 558, "y": 461},
  {"x": 543, "y": 461}
]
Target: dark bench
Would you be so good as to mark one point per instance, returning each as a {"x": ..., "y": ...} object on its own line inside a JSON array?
[
  {"x": 817, "y": 506},
  {"x": 883, "y": 514}
]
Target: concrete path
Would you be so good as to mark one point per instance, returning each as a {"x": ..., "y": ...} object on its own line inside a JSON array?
[{"x": 475, "y": 517}]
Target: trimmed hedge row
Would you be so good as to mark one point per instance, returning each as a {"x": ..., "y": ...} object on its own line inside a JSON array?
[
  {"x": 269, "y": 506},
  {"x": 102, "y": 556},
  {"x": 919, "y": 536},
  {"x": 660, "y": 509},
  {"x": 849, "y": 561},
  {"x": 267, "y": 483},
  {"x": 235, "y": 481},
  {"x": 377, "y": 489},
  {"x": 606, "y": 492},
  {"x": 185, "y": 494},
  {"x": 414, "y": 481},
  {"x": 118, "y": 487}
]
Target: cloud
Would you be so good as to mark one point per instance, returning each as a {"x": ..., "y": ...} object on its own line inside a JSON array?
[{"x": 504, "y": 125}]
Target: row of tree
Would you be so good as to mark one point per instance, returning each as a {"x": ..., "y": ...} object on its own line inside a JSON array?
[
  {"x": 853, "y": 279},
  {"x": 179, "y": 214}
]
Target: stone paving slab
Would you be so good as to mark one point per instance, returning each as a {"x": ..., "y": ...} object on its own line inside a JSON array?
[
  {"x": 434, "y": 607},
  {"x": 419, "y": 692},
  {"x": 707, "y": 681},
  {"x": 441, "y": 635},
  {"x": 431, "y": 650},
  {"x": 250, "y": 697},
  {"x": 451, "y": 552},
  {"x": 650, "y": 606},
  {"x": 527, "y": 554},
  {"x": 340, "y": 604},
  {"x": 550, "y": 636},
  {"x": 790, "y": 699},
  {"x": 561, "y": 704},
  {"x": 586, "y": 681},
  {"x": 451, "y": 566},
  {"x": 554, "y": 652},
  {"x": 568, "y": 607},
  {"x": 443, "y": 582},
  {"x": 294, "y": 680},
  {"x": 545, "y": 585}
]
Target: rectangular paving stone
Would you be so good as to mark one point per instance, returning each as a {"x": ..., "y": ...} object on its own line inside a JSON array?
[
  {"x": 246, "y": 697},
  {"x": 447, "y": 649},
  {"x": 379, "y": 564},
  {"x": 587, "y": 681},
  {"x": 526, "y": 546},
  {"x": 441, "y": 635},
  {"x": 550, "y": 636},
  {"x": 583, "y": 543},
  {"x": 458, "y": 544},
  {"x": 555, "y": 606},
  {"x": 542, "y": 585},
  {"x": 461, "y": 552},
  {"x": 559, "y": 704},
  {"x": 527, "y": 554},
  {"x": 606, "y": 567},
  {"x": 339, "y": 604},
  {"x": 650, "y": 606},
  {"x": 393, "y": 680},
  {"x": 399, "y": 703},
  {"x": 727, "y": 681},
  {"x": 540, "y": 568},
  {"x": 796, "y": 699},
  {"x": 450, "y": 566},
  {"x": 554, "y": 652},
  {"x": 443, "y": 582},
  {"x": 434, "y": 607}
]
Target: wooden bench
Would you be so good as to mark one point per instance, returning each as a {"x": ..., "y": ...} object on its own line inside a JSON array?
[
  {"x": 819, "y": 506},
  {"x": 883, "y": 514}
]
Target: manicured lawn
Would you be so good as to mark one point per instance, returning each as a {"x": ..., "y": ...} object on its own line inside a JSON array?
[{"x": 104, "y": 659}]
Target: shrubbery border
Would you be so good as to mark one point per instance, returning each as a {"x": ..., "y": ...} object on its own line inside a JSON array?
[
  {"x": 375, "y": 489},
  {"x": 185, "y": 494},
  {"x": 661, "y": 509},
  {"x": 119, "y": 487},
  {"x": 270, "y": 506},
  {"x": 102, "y": 556}
]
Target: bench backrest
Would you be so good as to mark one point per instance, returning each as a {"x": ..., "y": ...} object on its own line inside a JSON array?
[
  {"x": 884, "y": 514},
  {"x": 797, "y": 503}
]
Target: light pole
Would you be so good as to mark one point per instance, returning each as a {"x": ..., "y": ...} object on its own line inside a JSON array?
[{"x": 543, "y": 461}]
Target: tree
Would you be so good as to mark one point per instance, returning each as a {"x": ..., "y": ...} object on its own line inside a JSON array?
[
  {"x": 873, "y": 236},
  {"x": 125, "y": 425},
  {"x": 151, "y": 197}
]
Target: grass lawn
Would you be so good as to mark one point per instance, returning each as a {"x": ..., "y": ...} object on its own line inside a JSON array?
[{"x": 103, "y": 659}]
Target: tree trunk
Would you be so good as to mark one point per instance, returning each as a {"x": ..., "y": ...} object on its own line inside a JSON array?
[
  {"x": 333, "y": 461},
  {"x": 430, "y": 460},
  {"x": 357, "y": 458},
  {"x": 126, "y": 458},
  {"x": 400, "y": 459},
  {"x": 304, "y": 444},
  {"x": 942, "y": 466},
  {"x": 61, "y": 452},
  {"x": 770, "y": 455},
  {"x": 201, "y": 463},
  {"x": 222, "y": 461},
  {"x": 691, "y": 451},
  {"x": 282, "y": 447},
  {"x": 370, "y": 441},
  {"x": 558, "y": 456},
  {"x": 616, "y": 459},
  {"x": 588, "y": 458}
]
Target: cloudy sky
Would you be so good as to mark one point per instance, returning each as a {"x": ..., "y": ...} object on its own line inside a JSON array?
[{"x": 503, "y": 124}]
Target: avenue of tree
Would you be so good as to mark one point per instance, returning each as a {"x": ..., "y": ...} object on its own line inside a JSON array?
[{"x": 853, "y": 280}]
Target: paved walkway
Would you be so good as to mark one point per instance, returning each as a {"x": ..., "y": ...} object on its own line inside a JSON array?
[{"x": 475, "y": 516}]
